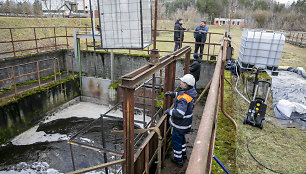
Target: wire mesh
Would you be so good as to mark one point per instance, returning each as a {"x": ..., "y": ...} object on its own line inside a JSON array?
[{"x": 125, "y": 23}]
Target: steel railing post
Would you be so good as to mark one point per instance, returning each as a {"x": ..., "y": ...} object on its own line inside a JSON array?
[
  {"x": 35, "y": 38},
  {"x": 12, "y": 40}
]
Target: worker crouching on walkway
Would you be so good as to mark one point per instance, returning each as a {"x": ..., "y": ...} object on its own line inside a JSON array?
[
  {"x": 181, "y": 116},
  {"x": 195, "y": 68}
]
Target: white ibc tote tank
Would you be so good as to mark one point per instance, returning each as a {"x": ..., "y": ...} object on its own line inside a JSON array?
[{"x": 262, "y": 49}]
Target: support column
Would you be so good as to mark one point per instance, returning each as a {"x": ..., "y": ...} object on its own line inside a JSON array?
[
  {"x": 187, "y": 62},
  {"x": 128, "y": 127}
]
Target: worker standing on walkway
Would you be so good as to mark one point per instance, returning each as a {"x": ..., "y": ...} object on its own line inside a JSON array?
[
  {"x": 195, "y": 68},
  {"x": 178, "y": 34},
  {"x": 200, "y": 34},
  {"x": 181, "y": 117}
]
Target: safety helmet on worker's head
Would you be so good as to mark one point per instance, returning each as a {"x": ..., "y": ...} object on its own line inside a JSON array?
[{"x": 188, "y": 79}]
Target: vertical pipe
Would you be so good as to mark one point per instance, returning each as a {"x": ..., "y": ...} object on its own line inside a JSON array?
[
  {"x": 37, "y": 68},
  {"x": 144, "y": 104},
  {"x": 112, "y": 65},
  {"x": 12, "y": 40},
  {"x": 14, "y": 81},
  {"x": 128, "y": 127},
  {"x": 103, "y": 142},
  {"x": 160, "y": 79},
  {"x": 187, "y": 62},
  {"x": 166, "y": 87},
  {"x": 72, "y": 158},
  {"x": 54, "y": 37},
  {"x": 155, "y": 25},
  {"x": 80, "y": 66},
  {"x": 35, "y": 37},
  {"x": 153, "y": 97}
]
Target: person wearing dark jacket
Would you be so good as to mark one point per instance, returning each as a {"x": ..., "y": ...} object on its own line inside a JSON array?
[
  {"x": 178, "y": 34},
  {"x": 200, "y": 34},
  {"x": 195, "y": 68},
  {"x": 181, "y": 116}
]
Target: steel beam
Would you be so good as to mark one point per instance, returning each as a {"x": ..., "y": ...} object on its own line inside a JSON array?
[
  {"x": 132, "y": 79},
  {"x": 128, "y": 127}
]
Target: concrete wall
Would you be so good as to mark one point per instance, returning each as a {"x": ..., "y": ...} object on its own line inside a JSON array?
[
  {"x": 26, "y": 66},
  {"x": 98, "y": 65},
  {"x": 17, "y": 116}
]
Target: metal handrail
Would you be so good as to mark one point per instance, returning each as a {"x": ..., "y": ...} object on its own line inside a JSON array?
[{"x": 201, "y": 156}]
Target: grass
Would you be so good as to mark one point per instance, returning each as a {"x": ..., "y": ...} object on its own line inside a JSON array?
[
  {"x": 292, "y": 55},
  {"x": 225, "y": 141},
  {"x": 273, "y": 148},
  {"x": 277, "y": 148}
]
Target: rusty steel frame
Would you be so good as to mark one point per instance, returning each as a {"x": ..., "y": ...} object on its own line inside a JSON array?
[
  {"x": 35, "y": 39},
  {"x": 38, "y": 71},
  {"x": 202, "y": 153},
  {"x": 130, "y": 82}
]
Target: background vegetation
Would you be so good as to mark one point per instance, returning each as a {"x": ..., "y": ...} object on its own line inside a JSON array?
[{"x": 257, "y": 13}]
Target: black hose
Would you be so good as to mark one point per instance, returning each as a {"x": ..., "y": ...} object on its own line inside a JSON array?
[
  {"x": 255, "y": 158},
  {"x": 248, "y": 142}
]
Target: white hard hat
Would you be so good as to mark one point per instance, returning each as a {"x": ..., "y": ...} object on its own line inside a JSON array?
[{"x": 189, "y": 79}]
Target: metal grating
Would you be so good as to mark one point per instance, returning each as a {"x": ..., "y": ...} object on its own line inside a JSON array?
[{"x": 125, "y": 23}]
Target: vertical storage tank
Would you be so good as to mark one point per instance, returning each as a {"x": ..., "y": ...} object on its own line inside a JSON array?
[{"x": 262, "y": 49}]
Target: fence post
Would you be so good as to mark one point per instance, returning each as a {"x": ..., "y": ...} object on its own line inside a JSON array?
[
  {"x": 12, "y": 40},
  {"x": 37, "y": 65},
  {"x": 54, "y": 37},
  {"x": 35, "y": 37},
  {"x": 13, "y": 77}
]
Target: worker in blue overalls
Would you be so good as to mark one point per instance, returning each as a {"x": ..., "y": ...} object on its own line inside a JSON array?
[{"x": 181, "y": 117}]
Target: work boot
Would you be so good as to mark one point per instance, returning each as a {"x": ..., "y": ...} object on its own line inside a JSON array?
[{"x": 178, "y": 163}]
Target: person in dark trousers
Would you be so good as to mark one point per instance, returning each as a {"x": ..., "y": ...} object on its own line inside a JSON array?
[
  {"x": 200, "y": 34},
  {"x": 179, "y": 34},
  {"x": 181, "y": 117},
  {"x": 195, "y": 68}
]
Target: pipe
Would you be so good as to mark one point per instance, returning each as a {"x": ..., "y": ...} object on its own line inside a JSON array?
[
  {"x": 222, "y": 102},
  {"x": 222, "y": 84},
  {"x": 80, "y": 65},
  {"x": 221, "y": 165}
]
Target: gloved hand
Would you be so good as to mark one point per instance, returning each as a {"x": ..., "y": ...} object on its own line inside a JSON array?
[
  {"x": 172, "y": 94},
  {"x": 167, "y": 112}
]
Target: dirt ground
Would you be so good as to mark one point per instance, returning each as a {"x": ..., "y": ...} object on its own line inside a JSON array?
[{"x": 171, "y": 168}]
